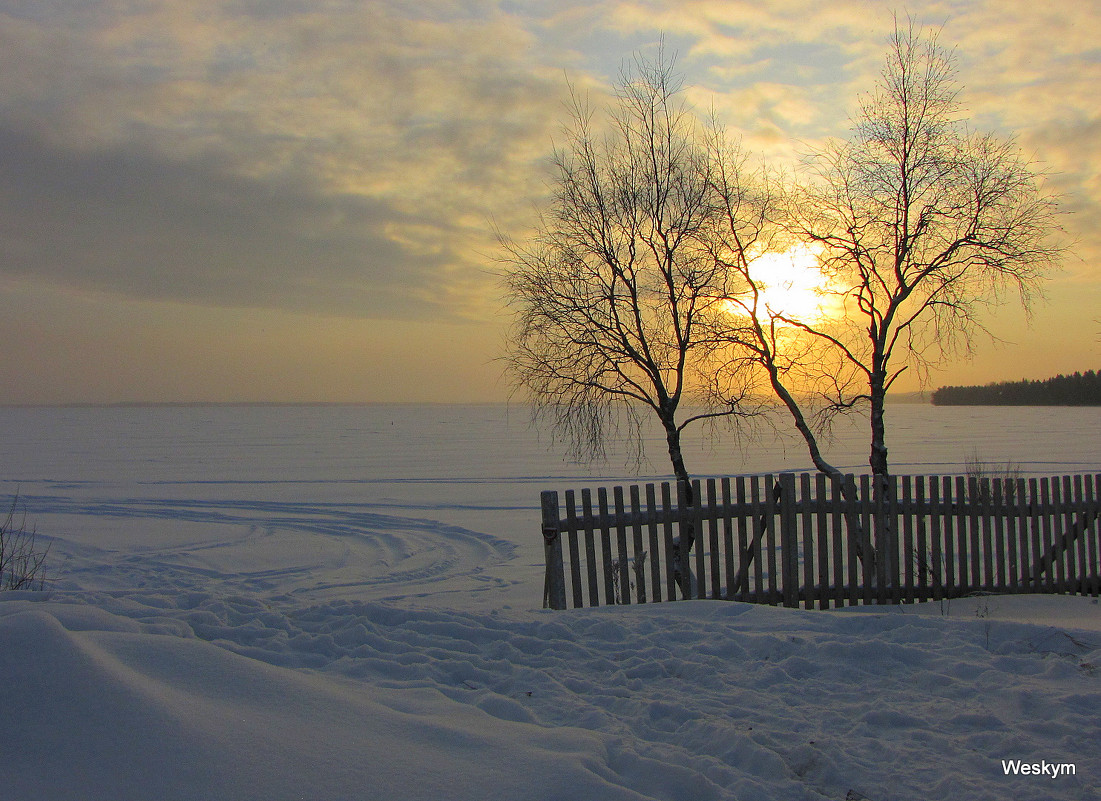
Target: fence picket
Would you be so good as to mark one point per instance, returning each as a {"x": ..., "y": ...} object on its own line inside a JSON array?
[
  {"x": 772, "y": 541},
  {"x": 1059, "y": 537},
  {"x": 697, "y": 526},
  {"x": 935, "y": 567},
  {"x": 838, "y": 542},
  {"x": 806, "y": 537},
  {"x": 1093, "y": 543},
  {"x": 1035, "y": 575},
  {"x": 1006, "y": 533},
  {"x": 972, "y": 576},
  {"x": 728, "y": 537},
  {"x": 655, "y": 550},
  {"x": 1020, "y": 518},
  {"x": 789, "y": 541},
  {"x": 622, "y": 571},
  {"x": 982, "y": 511},
  {"x": 998, "y": 524},
  {"x": 823, "y": 543},
  {"x": 639, "y": 566},
  {"x": 571, "y": 539},
  {"x": 606, "y": 546},
  {"x": 1047, "y": 536},
  {"x": 906, "y": 512},
  {"x": 667, "y": 531},
  {"x": 713, "y": 538},
  {"x": 742, "y": 578},
  {"x": 554, "y": 584},
  {"x": 921, "y": 546},
  {"x": 590, "y": 546},
  {"x": 1079, "y": 555},
  {"x": 959, "y": 503},
  {"x": 850, "y": 518},
  {"x": 758, "y": 512},
  {"x": 889, "y": 525}
]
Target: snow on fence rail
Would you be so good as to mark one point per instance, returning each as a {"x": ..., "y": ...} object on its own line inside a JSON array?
[{"x": 812, "y": 539}]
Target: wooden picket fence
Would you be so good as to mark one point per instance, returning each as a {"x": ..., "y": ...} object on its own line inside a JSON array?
[{"x": 813, "y": 540}]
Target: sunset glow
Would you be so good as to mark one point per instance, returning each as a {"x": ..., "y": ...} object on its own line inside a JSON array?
[{"x": 791, "y": 284}]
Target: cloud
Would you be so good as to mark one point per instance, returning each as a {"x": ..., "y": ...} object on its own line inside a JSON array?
[
  {"x": 127, "y": 221},
  {"x": 340, "y": 155}
]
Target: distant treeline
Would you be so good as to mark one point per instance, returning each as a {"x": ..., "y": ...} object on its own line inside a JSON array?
[{"x": 1080, "y": 389}]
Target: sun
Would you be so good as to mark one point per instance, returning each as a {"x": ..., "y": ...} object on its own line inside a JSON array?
[{"x": 791, "y": 283}]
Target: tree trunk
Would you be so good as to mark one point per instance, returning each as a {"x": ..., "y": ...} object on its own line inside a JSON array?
[
  {"x": 880, "y": 481},
  {"x": 683, "y": 544},
  {"x": 878, "y": 457},
  {"x": 864, "y": 548}
]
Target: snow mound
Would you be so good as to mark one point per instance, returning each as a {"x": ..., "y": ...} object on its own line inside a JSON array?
[{"x": 96, "y": 709}]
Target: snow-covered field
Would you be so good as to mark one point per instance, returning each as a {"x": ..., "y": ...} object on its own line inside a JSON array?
[{"x": 342, "y": 603}]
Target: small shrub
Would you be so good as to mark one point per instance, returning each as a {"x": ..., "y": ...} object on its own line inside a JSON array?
[
  {"x": 976, "y": 467},
  {"x": 21, "y": 560},
  {"x": 986, "y": 474}
]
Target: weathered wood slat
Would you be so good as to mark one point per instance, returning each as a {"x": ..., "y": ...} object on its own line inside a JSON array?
[
  {"x": 1011, "y": 536},
  {"x": 1093, "y": 541},
  {"x": 1047, "y": 537},
  {"x": 698, "y": 547},
  {"x": 850, "y": 514},
  {"x": 713, "y": 518},
  {"x": 638, "y": 566},
  {"x": 620, "y": 565},
  {"x": 741, "y": 588},
  {"x": 1058, "y": 536},
  {"x": 1019, "y": 513},
  {"x": 575, "y": 560},
  {"x": 554, "y": 585},
  {"x": 655, "y": 557},
  {"x": 728, "y": 539},
  {"x": 986, "y": 533},
  {"x": 1081, "y": 568},
  {"x": 935, "y": 568},
  {"x": 606, "y": 545},
  {"x": 907, "y": 513},
  {"x": 922, "y": 553},
  {"x": 590, "y": 546},
  {"x": 788, "y": 580},
  {"x": 1035, "y": 536},
  {"x": 889, "y": 521},
  {"x": 759, "y": 527},
  {"x": 667, "y": 533}
]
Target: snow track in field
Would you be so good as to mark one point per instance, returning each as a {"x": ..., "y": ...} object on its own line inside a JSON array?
[{"x": 272, "y": 547}]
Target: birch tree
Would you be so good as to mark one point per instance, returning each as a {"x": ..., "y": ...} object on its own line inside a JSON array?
[
  {"x": 923, "y": 226},
  {"x": 617, "y": 301}
]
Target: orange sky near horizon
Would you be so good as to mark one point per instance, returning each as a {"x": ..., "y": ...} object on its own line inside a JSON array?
[{"x": 284, "y": 201}]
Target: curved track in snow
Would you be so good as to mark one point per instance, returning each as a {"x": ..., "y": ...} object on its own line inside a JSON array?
[{"x": 271, "y": 548}]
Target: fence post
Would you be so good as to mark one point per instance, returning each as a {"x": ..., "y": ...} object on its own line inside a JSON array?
[
  {"x": 789, "y": 541},
  {"x": 554, "y": 583}
]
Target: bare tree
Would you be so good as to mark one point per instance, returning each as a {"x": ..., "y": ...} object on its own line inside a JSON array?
[
  {"x": 617, "y": 300},
  {"x": 922, "y": 225}
]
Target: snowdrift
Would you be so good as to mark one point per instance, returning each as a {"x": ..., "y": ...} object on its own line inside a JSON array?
[{"x": 137, "y": 697}]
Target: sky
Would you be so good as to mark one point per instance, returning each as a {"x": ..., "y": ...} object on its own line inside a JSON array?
[{"x": 294, "y": 200}]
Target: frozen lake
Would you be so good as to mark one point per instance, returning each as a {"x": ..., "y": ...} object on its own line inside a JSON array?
[{"x": 389, "y": 501}]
